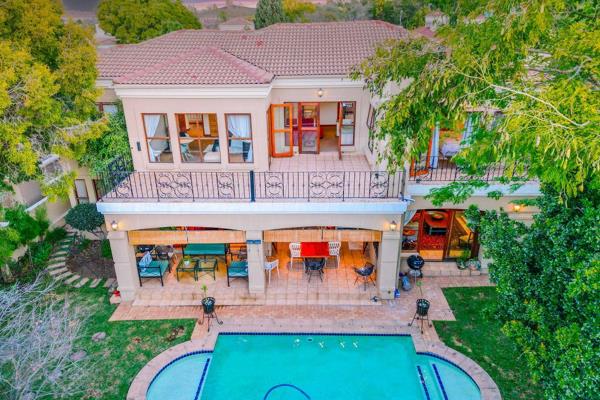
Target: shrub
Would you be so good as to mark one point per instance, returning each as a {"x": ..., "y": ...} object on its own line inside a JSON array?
[
  {"x": 85, "y": 217},
  {"x": 105, "y": 249},
  {"x": 56, "y": 235}
]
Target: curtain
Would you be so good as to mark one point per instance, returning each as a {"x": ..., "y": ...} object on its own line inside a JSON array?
[
  {"x": 435, "y": 147},
  {"x": 408, "y": 215},
  {"x": 206, "y": 124},
  {"x": 239, "y": 126},
  {"x": 468, "y": 130},
  {"x": 152, "y": 122}
]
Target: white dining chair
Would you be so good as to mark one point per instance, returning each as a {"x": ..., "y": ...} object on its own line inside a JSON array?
[
  {"x": 294, "y": 252},
  {"x": 270, "y": 266},
  {"x": 334, "y": 250}
]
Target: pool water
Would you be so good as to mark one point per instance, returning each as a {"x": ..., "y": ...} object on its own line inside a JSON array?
[{"x": 315, "y": 367}]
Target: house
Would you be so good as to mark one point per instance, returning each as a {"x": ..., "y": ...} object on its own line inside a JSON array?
[
  {"x": 252, "y": 145},
  {"x": 236, "y": 24}
]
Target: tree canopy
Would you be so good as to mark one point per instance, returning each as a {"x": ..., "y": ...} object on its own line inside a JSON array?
[
  {"x": 297, "y": 10},
  {"x": 133, "y": 21},
  {"x": 47, "y": 89},
  {"x": 548, "y": 281},
  {"x": 535, "y": 62},
  {"x": 113, "y": 144},
  {"x": 268, "y": 12}
]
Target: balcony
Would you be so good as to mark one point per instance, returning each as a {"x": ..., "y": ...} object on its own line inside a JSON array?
[
  {"x": 283, "y": 183},
  {"x": 436, "y": 170}
]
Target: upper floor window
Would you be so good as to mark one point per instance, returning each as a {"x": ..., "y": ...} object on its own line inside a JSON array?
[
  {"x": 81, "y": 192},
  {"x": 371, "y": 126},
  {"x": 198, "y": 138},
  {"x": 158, "y": 141},
  {"x": 239, "y": 138},
  {"x": 347, "y": 121},
  {"x": 108, "y": 108}
]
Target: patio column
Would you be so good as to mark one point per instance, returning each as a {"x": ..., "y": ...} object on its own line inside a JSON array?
[
  {"x": 387, "y": 263},
  {"x": 125, "y": 264},
  {"x": 256, "y": 260}
]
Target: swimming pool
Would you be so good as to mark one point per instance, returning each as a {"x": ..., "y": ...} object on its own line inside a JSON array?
[{"x": 315, "y": 367}]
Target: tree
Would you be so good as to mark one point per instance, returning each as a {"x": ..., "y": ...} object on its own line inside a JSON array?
[
  {"x": 113, "y": 144},
  {"x": 85, "y": 217},
  {"x": 297, "y": 10},
  {"x": 536, "y": 62},
  {"x": 268, "y": 12},
  {"x": 39, "y": 332},
  {"x": 548, "y": 280},
  {"x": 133, "y": 21},
  {"x": 342, "y": 10},
  {"x": 47, "y": 90}
]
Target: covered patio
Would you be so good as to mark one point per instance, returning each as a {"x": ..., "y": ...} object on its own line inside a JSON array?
[{"x": 289, "y": 284}]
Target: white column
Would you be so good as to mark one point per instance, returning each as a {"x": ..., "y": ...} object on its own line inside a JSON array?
[
  {"x": 387, "y": 263},
  {"x": 256, "y": 260},
  {"x": 125, "y": 264}
]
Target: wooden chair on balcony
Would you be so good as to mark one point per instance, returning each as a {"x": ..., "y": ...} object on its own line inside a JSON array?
[
  {"x": 334, "y": 251},
  {"x": 294, "y": 253}
]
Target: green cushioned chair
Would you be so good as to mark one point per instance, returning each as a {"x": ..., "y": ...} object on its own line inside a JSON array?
[
  {"x": 237, "y": 269},
  {"x": 148, "y": 268}
]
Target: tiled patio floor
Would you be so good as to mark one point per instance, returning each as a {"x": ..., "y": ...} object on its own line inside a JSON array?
[
  {"x": 290, "y": 287},
  {"x": 321, "y": 162}
]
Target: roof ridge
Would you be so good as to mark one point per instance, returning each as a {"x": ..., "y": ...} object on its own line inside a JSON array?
[
  {"x": 157, "y": 67},
  {"x": 244, "y": 66}
]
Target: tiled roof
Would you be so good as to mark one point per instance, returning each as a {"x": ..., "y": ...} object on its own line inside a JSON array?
[
  {"x": 236, "y": 21},
  {"x": 423, "y": 31},
  {"x": 203, "y": 66},
  {"x": 315, "y": 49}
]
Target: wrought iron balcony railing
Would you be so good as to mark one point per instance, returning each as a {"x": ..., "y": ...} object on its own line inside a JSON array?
[
  {"x": 434, "y": 169},
  {"x": 250, "y": 186}
]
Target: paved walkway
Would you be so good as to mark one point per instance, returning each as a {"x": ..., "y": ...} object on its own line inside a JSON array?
[{"x": 389, "y": 317}]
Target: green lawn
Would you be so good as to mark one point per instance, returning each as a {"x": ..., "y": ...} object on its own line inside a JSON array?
[
  {"x": 128, "y": 346},
  {"x": 476, "y": 334}
]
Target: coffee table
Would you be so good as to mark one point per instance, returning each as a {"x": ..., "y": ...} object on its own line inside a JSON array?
[
  {"x": 191, "y": 267},
  {"x": 206, "y": 266}
]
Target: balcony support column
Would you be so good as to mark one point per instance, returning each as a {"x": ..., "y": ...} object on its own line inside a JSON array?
[
  {"x": 256, "y": 260},
  {"x": 387, "y": 264},
  {"x": 125, "y": 264}
]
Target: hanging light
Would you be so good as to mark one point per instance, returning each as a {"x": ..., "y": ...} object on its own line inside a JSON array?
[
  {"x": 517, "y": 207},
  {"x": 114, "y": 225},
  {"x": 393, "y": 225},
  {"x": 320, "y": 92}
]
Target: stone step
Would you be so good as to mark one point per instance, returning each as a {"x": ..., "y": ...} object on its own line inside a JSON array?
[
  {"x": 57, "y": 271},
  {"x": 95, "y": 282},
  {"x": 72, "y": 279},
  {"x": 109, "y": 282},
  {"x": 82, "y": 282},
  {"x": 56, "y": 265},
  {"x": 62, "y": 255},
  {"x": 63, "y": 276}
]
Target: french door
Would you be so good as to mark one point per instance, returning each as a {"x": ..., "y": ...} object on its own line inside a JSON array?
[
  {"x": 282, "y": 144},
  {"x": 309, "y": 128}
]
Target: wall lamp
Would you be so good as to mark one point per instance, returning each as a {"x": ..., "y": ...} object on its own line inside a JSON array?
[
  {"x": 517, "y": 207},
  {"x": 393, "y": 225},
  {"x": 320, "y": 92},
  {"x": 114, "y": 225}
]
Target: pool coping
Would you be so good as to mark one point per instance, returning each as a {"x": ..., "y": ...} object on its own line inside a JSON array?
[{"x": 487, "y": 387}]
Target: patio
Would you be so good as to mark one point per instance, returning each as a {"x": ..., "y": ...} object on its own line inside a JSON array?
[{"x": 290, "y": 287}]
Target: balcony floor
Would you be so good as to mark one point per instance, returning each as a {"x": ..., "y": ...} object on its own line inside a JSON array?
[{"x": 320, "y": 162}]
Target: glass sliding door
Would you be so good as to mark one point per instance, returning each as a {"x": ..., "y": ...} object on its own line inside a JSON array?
[
  {"x": 461, "y": 239},
  {"x": 309, "y": 127},
  {"x": 281, "y": 130}
]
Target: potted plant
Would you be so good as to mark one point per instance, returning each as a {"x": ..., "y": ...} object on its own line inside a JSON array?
[
  {"x": 187, "y": 260},
  {"x": 461, "y": 261},
  {"x": 208, "y": 303}
]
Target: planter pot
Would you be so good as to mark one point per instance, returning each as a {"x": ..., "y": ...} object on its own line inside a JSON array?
[
  {"x": 422, "y": 307},
  {"x": 208, "y": 305},
  {"x": 187, "y": 263}
]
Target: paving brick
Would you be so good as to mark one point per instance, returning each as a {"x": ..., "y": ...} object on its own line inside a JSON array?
[
  {"x": 72, "y": 279},
  {"x": 95, "y": 282},
  {"x": 58, "y": 271},
  {"x": 82, "y": 282}
]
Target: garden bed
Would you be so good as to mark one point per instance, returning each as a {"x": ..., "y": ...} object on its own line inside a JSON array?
[{"x": 86, "y": 260}]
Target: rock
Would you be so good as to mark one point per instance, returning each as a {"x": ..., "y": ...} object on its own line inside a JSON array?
[
  {"x": 78, "y": 356},
  {"x": 99, "y": 336}
]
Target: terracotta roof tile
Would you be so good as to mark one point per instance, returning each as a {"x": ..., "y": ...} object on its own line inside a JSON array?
[{"x": 317, "y": 49}]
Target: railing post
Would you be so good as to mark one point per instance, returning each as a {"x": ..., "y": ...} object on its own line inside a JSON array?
[{"x": 252, "y": 188}]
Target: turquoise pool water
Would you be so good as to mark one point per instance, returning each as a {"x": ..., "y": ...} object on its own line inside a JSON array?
[{"x": 315, "y": 367}]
